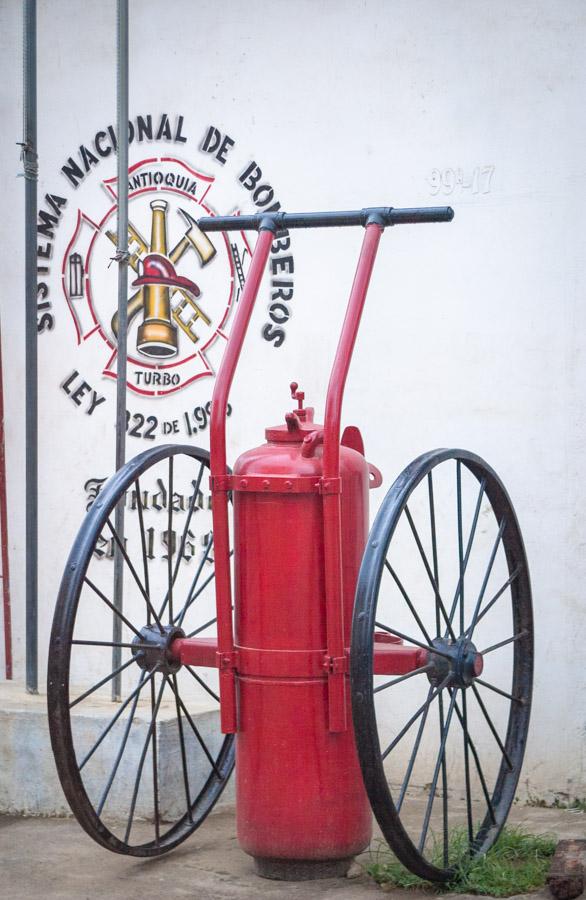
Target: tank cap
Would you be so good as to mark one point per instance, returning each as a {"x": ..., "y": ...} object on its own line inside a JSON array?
[{"x": 298, "y": 423}]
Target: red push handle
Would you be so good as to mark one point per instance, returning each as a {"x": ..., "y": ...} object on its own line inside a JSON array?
[
  {"x": 383, "y": 215},
  {"x": 228, "y": 716},
  {"x": 331, "y": 469},
  {"x": 374, "y": 221}
]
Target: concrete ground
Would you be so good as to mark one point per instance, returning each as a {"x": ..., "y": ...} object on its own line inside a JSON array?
[{"x": 53, "y": 859}]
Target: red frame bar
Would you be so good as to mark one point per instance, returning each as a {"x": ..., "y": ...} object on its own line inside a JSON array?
[
  {"x": 397, "y": 659},
  {"x": 218, "y": 468},
  {"x": 331, "y": 469},
  {"x": 388, "y": 659}
]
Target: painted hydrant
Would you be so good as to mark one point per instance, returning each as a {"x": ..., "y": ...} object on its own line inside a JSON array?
[{"x": 308, "y": 650}]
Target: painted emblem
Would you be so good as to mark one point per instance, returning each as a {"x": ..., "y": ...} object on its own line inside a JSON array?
[{"x": 183, "y": 287}]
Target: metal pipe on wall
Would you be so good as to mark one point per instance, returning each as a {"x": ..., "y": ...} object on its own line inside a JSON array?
[
  {"x": 4, "y": 536},
  {"x": 30, "y": 166},
  {"x": 122, "y": 260}
]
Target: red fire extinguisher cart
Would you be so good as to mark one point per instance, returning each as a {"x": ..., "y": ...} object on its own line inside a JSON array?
[
  {"x": 300, "y": 636},
  {"x": 301, "y": 505}
]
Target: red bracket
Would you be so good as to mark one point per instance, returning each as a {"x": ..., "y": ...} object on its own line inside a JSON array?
[
  {"x": 375, "y": 477},
  {"x": 276, "y": 484},
  {"x": 220, "y": 483},
  {"x": 330, "y": 485},
  {"x": 227, "y": 661},
  {"x": 336, "y": 665},
  {"x": 391, "y": 657},
  {"x": 352, "y": 438}
]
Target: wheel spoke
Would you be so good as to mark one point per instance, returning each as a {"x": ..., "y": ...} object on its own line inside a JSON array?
[
  {"x": 469, "y": 821},
  {"x": 136, "y": 646},
  {"x": 102, "y": 682},
  {"x": 190, "y": 595},
  {"x": 143, "y": 757},
  {"x": 440, "y": 758},
  {"x": 195, "y": 730},
  {"x": 170, "y": 544},
  {"x": 498, "y": 594},
  {"x": 183, "y": 754},
  {"x": 497, "y": 690},
  {"x": 490, "y": 724},
  {"x": 410, "y": 640},
  {"x": 408, "y": 601},
  {"x": 179, "y": 556},
  {"x": 122, "y": 548},
  {"x": 143, "y": 545},
  {"x": 118, "y": 589},
  {"x": 502, "y": 527},
  {"x": 196, "y": 487},
  {"x": 389, "y": 684},
  {"x": 155, "y": 766},
  {"x": 416, "y": 715},
  {"x": 438, "y": 599},
  {"x": 500, "y": 644},
  {"x": 109, "y": 603},
  {"x": 475, "y": 756},
  {"x": 440, "y": 699},
  {"x": 460, "y": 545},
  {"x": 113, "y": 721},
  {"x": 415, "y": 750},
  {"x": 202, "y": 628},
  {"x": 434, "y": 551},
  {"x": 444, "y": 771},
  {"x": 194, "y": 597},
  {"x": 464, "y": 562},
  {"x": 120, "y": 753},
  {"x": 202, "y": 683}
]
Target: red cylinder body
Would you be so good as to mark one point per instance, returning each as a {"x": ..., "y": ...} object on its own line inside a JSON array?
[{"x": 299, "y": 788}]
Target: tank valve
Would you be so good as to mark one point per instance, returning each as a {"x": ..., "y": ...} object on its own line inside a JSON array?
[
  {"x": 297, "y": 395},
  {"x": 298, "y": 418}
]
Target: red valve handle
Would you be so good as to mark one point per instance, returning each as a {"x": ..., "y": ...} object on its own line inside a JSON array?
[{"x": 297, "y": 395}]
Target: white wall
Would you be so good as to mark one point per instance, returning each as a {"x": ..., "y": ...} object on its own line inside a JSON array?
[{"x": 473, "y": 335}]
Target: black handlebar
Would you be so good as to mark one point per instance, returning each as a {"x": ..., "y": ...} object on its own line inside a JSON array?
[{"x": 278, "y": 221}]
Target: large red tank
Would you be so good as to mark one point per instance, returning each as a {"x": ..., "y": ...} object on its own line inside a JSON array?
[{"x": 300, "y": 797}]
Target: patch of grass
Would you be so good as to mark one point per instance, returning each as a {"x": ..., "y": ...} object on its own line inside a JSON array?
[{"x": 517, "y": 864}]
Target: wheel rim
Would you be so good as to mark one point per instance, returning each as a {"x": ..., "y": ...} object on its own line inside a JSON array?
[
  {"x": 131, "y": 793},
  {"x": 394, "y": 716}
]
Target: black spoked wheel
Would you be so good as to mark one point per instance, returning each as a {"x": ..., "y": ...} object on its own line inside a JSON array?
[
  {"x": 136, "y": 736},
  {"x": 441, "y": 736}
]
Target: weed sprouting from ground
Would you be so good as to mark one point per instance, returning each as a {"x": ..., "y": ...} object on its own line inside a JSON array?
[{"x": 517, "y": 864}]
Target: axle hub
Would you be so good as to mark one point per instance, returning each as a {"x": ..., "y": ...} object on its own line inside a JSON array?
[
  {"x": 158, "y": 652},
  {"x": 460, "y": 660}
]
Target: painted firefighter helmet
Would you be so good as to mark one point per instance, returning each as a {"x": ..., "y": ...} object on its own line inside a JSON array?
[{"x": 156, "y": 269}]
